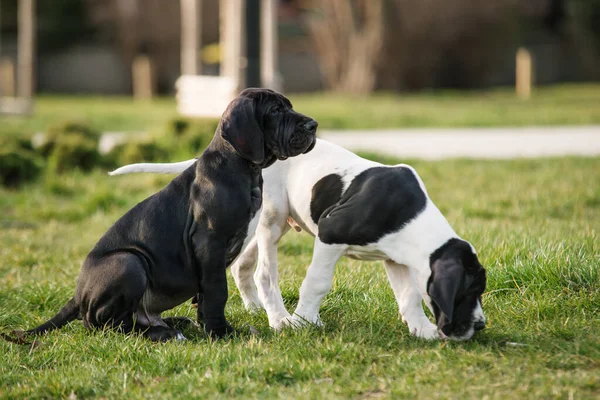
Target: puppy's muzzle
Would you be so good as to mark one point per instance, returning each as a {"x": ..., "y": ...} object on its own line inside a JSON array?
[
  {"x": 311, "y": 126},
  {"x": 304, "y": 138},
  {"x": 479, "y": 325},
  {"x": 462, "y": 331}
]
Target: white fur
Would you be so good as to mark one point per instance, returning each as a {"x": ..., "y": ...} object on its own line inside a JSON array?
[{"x": 287, "y": 193}]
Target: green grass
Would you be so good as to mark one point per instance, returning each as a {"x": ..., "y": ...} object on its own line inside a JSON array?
[
  {"x": 535, "y": 224},
  {"x": 108, "y": 113},
  {"x": 555, "y": 105}
]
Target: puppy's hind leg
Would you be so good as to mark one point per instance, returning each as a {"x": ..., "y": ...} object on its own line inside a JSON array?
[
  {"x": 409, "y": 301},
  {"x": 111, "y": 289}
]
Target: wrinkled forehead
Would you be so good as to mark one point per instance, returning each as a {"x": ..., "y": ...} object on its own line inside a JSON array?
[
  {"x": 285, "y": 100},
  {"x": 273, "y": 98},
  {"x": 267, "y": 97}
]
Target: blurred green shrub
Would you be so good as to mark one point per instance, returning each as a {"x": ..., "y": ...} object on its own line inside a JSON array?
[
  {"x": 74, "y": 145},
  {"x": 58, "y": 131},
  {"x": 72, "y": 151},
  {"x": 18, "y": 162},
  {"x": 71, "y": 145},
  {"x": 188, "y": 137},
  {"x": 137, "y": 151}
]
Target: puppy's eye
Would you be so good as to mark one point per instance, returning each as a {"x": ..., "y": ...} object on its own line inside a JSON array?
[{"x": 275, "y": 110}]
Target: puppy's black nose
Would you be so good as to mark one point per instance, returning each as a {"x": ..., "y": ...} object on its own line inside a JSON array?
[
  {"x": 479, "y": 325},
  {"x": 311, "y": 125}
]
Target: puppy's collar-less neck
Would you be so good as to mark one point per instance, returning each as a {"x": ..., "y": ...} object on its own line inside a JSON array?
[
  {"x": 221, "y": 154},
  {"x": 219, "y": 145}
]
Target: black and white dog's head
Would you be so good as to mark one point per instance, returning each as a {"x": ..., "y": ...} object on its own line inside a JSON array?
[
  {"x": 262, "y": 127},
  {"x": 455, "y": 287}
]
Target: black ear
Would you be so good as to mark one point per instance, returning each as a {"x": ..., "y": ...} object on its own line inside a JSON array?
[
  {"x": 447, "y": 277},
  {"x": 240, "y": 128}
]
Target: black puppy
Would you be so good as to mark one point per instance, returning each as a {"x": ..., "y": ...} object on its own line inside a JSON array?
[{"x": 178, "y": 242}]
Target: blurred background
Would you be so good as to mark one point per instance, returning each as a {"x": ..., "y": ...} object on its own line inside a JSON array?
[
  {"x": 109, "y": 72},
  {"x": 495, "y": 102},
  {"x": 355, "y": 46}
]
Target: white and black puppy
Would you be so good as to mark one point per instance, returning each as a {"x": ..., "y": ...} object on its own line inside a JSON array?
[
  {"x": 365, "y": 210},
  {"x": 177, "y": 243}
]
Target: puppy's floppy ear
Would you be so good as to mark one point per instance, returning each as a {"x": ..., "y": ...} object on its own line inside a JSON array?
[
  {"x": 447, "y": 278},
  {"x": 240, "y": 128}
]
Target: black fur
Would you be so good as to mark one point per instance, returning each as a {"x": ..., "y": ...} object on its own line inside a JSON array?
[
  {"x": 379, "y": 201},
  {"x": 178, "y": 242},
  {"x": 456, "y": 283},
  {"x": 326, "y": 192}
]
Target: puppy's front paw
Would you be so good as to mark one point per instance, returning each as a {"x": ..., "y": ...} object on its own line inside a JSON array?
[
  {"x": 163, "y": 334},
  {"x": 220, "y": 331},
  {"x": 424, "y": 330},
  {"x": 279, "y": 320},
  {"x": 304, "y": 320},
  {"x": 296, "y": 322},
  {"x": 284, "y": 322},
  {"x": 254, "y": 307}
]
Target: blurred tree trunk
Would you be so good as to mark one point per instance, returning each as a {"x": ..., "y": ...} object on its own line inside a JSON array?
[
  {"x": 153, "y": 28},
  {"x": 348, "y": 39}
]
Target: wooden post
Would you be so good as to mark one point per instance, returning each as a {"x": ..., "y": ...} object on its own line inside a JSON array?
[
  {"x": 523, "y": 73},
  {"x": 7, "y": 77},
  {"x": 232, "y": 41},
  {"x": 26, "y": 45},
  {"x": 269, "y": 70},
  {"x": 191, "y": 37},
  {"x": 143, "y": 87}
]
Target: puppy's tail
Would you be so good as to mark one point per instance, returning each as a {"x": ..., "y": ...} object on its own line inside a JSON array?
[
  {"x": 67, "y": 314},
  {"x": 156, "y": 168}
]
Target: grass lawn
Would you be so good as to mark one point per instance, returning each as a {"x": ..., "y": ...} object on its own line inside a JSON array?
[
  {"x": 535, "y": 223},
  {"x": 555, "y": 105}
]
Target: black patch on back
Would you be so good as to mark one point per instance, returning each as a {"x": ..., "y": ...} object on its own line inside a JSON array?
[
  {"x": 379, "y": 201},
  {"x": 326, "y": 192}
]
